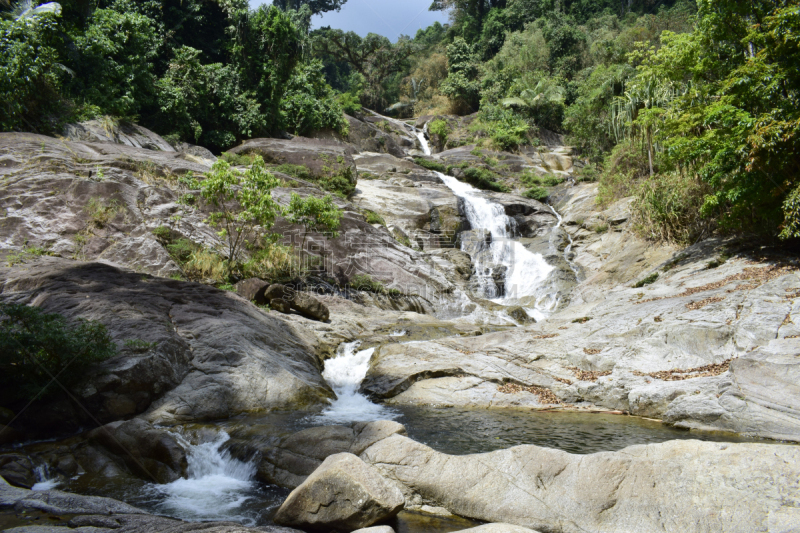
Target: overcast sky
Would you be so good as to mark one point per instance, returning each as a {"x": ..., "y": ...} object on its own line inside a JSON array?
[{"x": 385, "y": 17}]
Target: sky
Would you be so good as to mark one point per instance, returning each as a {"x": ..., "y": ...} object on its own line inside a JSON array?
[{"x": 390, "y": 18}]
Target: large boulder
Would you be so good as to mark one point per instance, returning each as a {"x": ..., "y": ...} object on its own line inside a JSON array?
[
  {"x": 187, "y": 351},
  {"x": 153, "y": 453},
  {"x": 674, "y": 486},
  {"x": 283, "y": 298},
  {"x": 321, "y": 157},
  {"x": 290, "y": 461},
  {"x": 343, "y": 494},
  {"x": 411, "y": 200}
]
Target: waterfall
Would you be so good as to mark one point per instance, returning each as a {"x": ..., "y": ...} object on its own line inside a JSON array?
[
  {"x": 344, "y": 373},
  {"x": 44, "y": 479},
  {"x": 216, "y": 487}
]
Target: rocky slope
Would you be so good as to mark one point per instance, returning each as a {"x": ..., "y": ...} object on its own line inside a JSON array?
[{"x": 701, "y": 338}]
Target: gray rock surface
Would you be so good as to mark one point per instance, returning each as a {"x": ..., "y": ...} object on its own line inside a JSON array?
[
  {"x": 673, "y": 486},
  {"x": 291, "y": 460},
  {"x": 211, "y": 354},
  {"x": 375, "y": 529},
  {"x": 152, "y": 453},
  {"x": 321, "y": 157},
  {"x": 344, "y": 493},
  {"x": 499, "y": 528}
]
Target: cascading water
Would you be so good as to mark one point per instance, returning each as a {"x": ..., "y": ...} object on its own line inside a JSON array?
[
  {"x": 344, "y": 373},
  {"x": 525, "y": 270},
  {"x": 44, "y": 479},
  {"x": 216, "y": 487}
]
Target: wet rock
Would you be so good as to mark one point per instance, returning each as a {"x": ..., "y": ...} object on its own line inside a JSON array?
[
  {"x": 320, "y": 157},
  {"x": 475, "y": 241},
  {"x": 344, "y": 493},
  {"x": 640, "y": 488},
  {"x": 152, "y": 453},
  {"x": 17, "y": 469}
]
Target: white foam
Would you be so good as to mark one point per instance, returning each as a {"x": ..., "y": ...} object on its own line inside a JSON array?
[
  {"x": 525, "y": 270},
  {"x": 44, "y": 480},
  {"x": 216, "y": 487},
  {"x": 344, "y": 373}
]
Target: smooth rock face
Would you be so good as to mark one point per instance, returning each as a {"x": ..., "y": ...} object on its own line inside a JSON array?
[
  {"x": 375, "y": 529},
  {"x": 152, "y": 453},
  {"x": 319, "y": 156},
  {"x": 498, "y": 528},
  {"x": 344, "y": 493},
  {"x": 295, "y": 457},
  {"x": 209, "y": 350},
  {"x": 673, "y": 486}
]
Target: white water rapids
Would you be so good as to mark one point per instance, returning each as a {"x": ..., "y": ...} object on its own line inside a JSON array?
[
  {"x": 525, "y": 270},
  {"x": 344, "y": 373},
  {"x": 216, "y": 487}
]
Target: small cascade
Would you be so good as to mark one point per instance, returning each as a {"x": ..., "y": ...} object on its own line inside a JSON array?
[
  {"x": 217, "y": 485},
  {"x": 44, "y": 479},
  {"x": 344, "y": 373},
  {"x": 423, "y": 141}
]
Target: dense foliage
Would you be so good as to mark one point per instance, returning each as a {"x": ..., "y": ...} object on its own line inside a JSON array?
[
  {"x": 210, "y": 72},
  {"x": 40, "y": 353}
]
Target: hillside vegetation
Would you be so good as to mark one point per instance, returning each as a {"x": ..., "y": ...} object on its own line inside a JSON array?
[{"x": 689, "y": 106}]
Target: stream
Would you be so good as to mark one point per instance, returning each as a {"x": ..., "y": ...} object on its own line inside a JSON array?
[{"x": 220, "y": 486}]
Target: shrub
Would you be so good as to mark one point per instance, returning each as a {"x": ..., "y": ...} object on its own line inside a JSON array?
[
  {"x": 646, "y": 281},
  {"x": 441, "y": 129},
  {"x": 242, "y": 204},
  {"x": 35, "y": 347},
  {"x": 431, "y": 164},
  {"x": 319, "y": 215},
  {"x": 274, "y": 263},
  {"x": 483, "y": 179},
  {"x": 537, "y": 193}
]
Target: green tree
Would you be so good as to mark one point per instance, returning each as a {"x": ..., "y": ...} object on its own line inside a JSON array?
[
  {"x": 462, "y": 85},
  {"x": 114, "y": 71},
  {"x": 373, "y": 56},
  {"x": 36, "y": 347},
  {"x": 309, "y": 103},
  {"x": 317, "y": 215},
  {"x": 316, "y": 6},
  {"x": 30, "y": 74},
  {"x": 241, "y": 203}
]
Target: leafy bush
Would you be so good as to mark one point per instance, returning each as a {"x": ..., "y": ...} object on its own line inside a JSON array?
[
  {"x": 431, "y": 164},
  {"x": 309, "y": 104},
  {"x": 646, "y": 281},
  {"x": 537, "y": 193},
  {"x": 441, "y": 129},
  {"x": 462, "y": 85},
  {"x": 35, "y": 347},
  {"x": 241, "y": 203},
  {"x": 318, "y": 215},
  {"x": 483, "y": 179}
]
